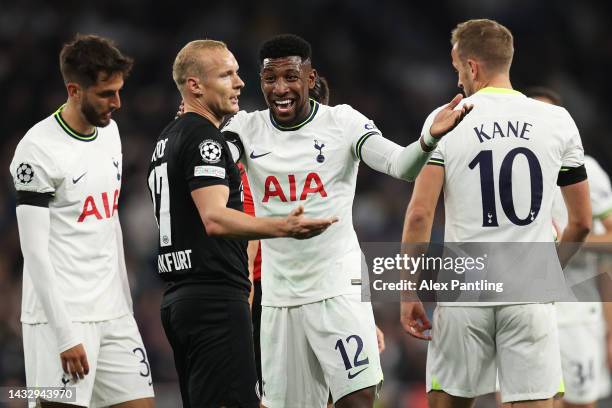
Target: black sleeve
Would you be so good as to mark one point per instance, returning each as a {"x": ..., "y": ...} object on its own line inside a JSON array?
[
  {"x": 205, "y": 157},
  {"x": 571, "y": 175},
  {"x": 33, "y": 198},
  {"x": 234, "y": 139}
]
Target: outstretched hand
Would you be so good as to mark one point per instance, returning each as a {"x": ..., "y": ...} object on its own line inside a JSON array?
[
  {"x": 414, "y": 320},
  {"x": 448, "y": 118},
  {"x": 300, "y": 227}
]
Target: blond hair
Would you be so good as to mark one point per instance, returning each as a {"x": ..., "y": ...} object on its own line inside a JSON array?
[
  {"x": 188, "y": 62},
  {"x": 485, "y": 40}
]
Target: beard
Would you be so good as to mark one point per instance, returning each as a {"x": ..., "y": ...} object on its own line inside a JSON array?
[{"x": 92, "y": 115}]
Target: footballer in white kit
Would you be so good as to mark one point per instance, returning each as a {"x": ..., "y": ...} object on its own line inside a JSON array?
[
  {"x": 317, "y": 336},
  {"x": 76, "y": 292},
  {"x": 499, "y": 170},
  {"x": 582, "y": 326}
]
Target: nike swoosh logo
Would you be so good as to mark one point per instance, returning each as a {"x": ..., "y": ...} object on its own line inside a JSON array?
[
  {"x": 76, "y": 180},
  {"x": 255, "y": 156},
  {"x": 351, "y": 376}
]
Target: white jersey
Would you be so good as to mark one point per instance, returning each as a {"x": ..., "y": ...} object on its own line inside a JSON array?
[
  {"x": 313, "y": 164},
  {"x": 583, "y": 269},
  {"x": 83, "y": 174},
  {"x": 501, "y": 166}
]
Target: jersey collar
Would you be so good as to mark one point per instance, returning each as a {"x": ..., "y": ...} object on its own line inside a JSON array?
[
  {"x": 314, "y": 108},
  {"x": 494, "y": 90},
  {"x": 71, "y": 132}
]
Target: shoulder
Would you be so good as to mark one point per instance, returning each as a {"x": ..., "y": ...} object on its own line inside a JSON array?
[
  {"x": 242, "y": 119},
  {"x": 40, "y": 138}
]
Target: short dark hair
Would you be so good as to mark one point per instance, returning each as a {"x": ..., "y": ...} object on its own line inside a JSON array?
[
  {"x": 544, "y": 92},
  {"x": 86, "y": 56},
  {"x": 320, "y": 92},
  {"x": 285, "y": 45},
  {"x": 486, "y": 40}
]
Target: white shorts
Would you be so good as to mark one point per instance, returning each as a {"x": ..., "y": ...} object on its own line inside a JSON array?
[
  {"x": 471, "y": 345},
  {"x": 311, "y": 350},
  {"x": 118, "y": 366},
  {"x": 583, "y": 359}
]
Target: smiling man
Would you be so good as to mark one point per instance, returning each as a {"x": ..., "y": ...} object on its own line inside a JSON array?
[
  {"x": 299, "y": 151},
  {"x": 78, "y": 328}
]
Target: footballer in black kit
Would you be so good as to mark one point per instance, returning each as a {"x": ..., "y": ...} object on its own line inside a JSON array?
[{"x": 205, "y": 311}]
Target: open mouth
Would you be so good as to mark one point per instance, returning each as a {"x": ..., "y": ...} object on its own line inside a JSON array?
[
  {"x": 234, "y": 99},
  {"x": 284, "y": 105}
]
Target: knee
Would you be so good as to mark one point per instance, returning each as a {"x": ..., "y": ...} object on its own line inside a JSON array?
[{"x": 359, "y": 399}]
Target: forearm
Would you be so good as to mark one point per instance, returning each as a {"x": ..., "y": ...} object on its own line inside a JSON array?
[
  {"x": 230, "y": 223},
  {"x": 390, "y": 158},
  {"x": 571, "y": 241},
  {"x": 34, "y": 224}
]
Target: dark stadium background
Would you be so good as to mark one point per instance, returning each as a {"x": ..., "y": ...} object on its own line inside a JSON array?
[{"x": 390, "y": 60}]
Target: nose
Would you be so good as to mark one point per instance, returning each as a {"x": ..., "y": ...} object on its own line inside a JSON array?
[
  {"x": 115, "y": 102},
  {"x": 280, "y": 87},
  {"x": 238, "y": 83}
]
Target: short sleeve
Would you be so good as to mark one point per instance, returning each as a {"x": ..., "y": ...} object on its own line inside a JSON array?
[
  {"x": 357, "y": 127},
  {"x": 33, "y": 169},
  {"x": 599, "y": 188},
  {"x": 573, "y": 154},
  {"x": 205, "y": 157},
  {"x": 572, "y": 159}
]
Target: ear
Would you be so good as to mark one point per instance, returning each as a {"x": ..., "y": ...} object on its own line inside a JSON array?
[
  {"x": 194, "y": 86},
  {"x": 312, "y": 76},
  {"x": 73, "y": 89},
  {"x": 474, "y": 68}
]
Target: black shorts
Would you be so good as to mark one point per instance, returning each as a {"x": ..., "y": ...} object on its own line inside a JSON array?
[{"x": 213, "y": 352}]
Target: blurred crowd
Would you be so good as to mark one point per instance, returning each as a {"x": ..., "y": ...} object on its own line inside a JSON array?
[{"x": 390, "y": 60}]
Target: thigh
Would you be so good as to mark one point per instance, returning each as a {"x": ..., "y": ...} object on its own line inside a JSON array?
[
  {"x": 528, "y": 352},
  {"x": 342, "y": 334},
  {"x": 292, "y": 375},
  {"x": 43, "y": 364},
  {"x": 461, "y": 354},
  {"x": 216, "y": 342},
  {"x": 124, "y": 373}
]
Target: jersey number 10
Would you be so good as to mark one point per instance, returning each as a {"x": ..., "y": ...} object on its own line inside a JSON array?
[
  {"x": 487, "y": 186},
  {"x": 158, "y": 184}
]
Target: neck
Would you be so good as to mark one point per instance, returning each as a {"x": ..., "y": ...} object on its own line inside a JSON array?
[
  {"x": 73, "y": 116},
  {"x": 496, "y": 81},
  {"x": 195, "y": 106}
]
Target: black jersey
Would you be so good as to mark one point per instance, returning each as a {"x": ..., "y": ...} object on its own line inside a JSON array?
[{"x": 191, "y": 153}]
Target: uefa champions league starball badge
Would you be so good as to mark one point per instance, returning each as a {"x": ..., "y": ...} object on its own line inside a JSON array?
[{"x": 320, "y": 157}]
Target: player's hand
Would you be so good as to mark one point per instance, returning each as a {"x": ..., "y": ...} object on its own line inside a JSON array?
[
  {"x": 74, "y": 362},
  {"x": 300, "y": 227},
  {"x": 180, "y": 110},
  {"x": 380, "y": 338},
  {"x": 414, "y": 320},
  {"x": 448, "y": 118}
]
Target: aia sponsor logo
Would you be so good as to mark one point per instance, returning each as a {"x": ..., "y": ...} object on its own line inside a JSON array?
[
  {"x": 99, "y": 207},
  {"x": 311, "y": 185}
]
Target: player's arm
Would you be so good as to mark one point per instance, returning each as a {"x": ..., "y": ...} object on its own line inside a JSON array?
[
  {"x": 222, "y": 221},
  {"x": 33, "y": 220},
  {"x": 406, "y": 162},
  {"x": 578, "y": 203},
  {"x": 417, "y": 230}
]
